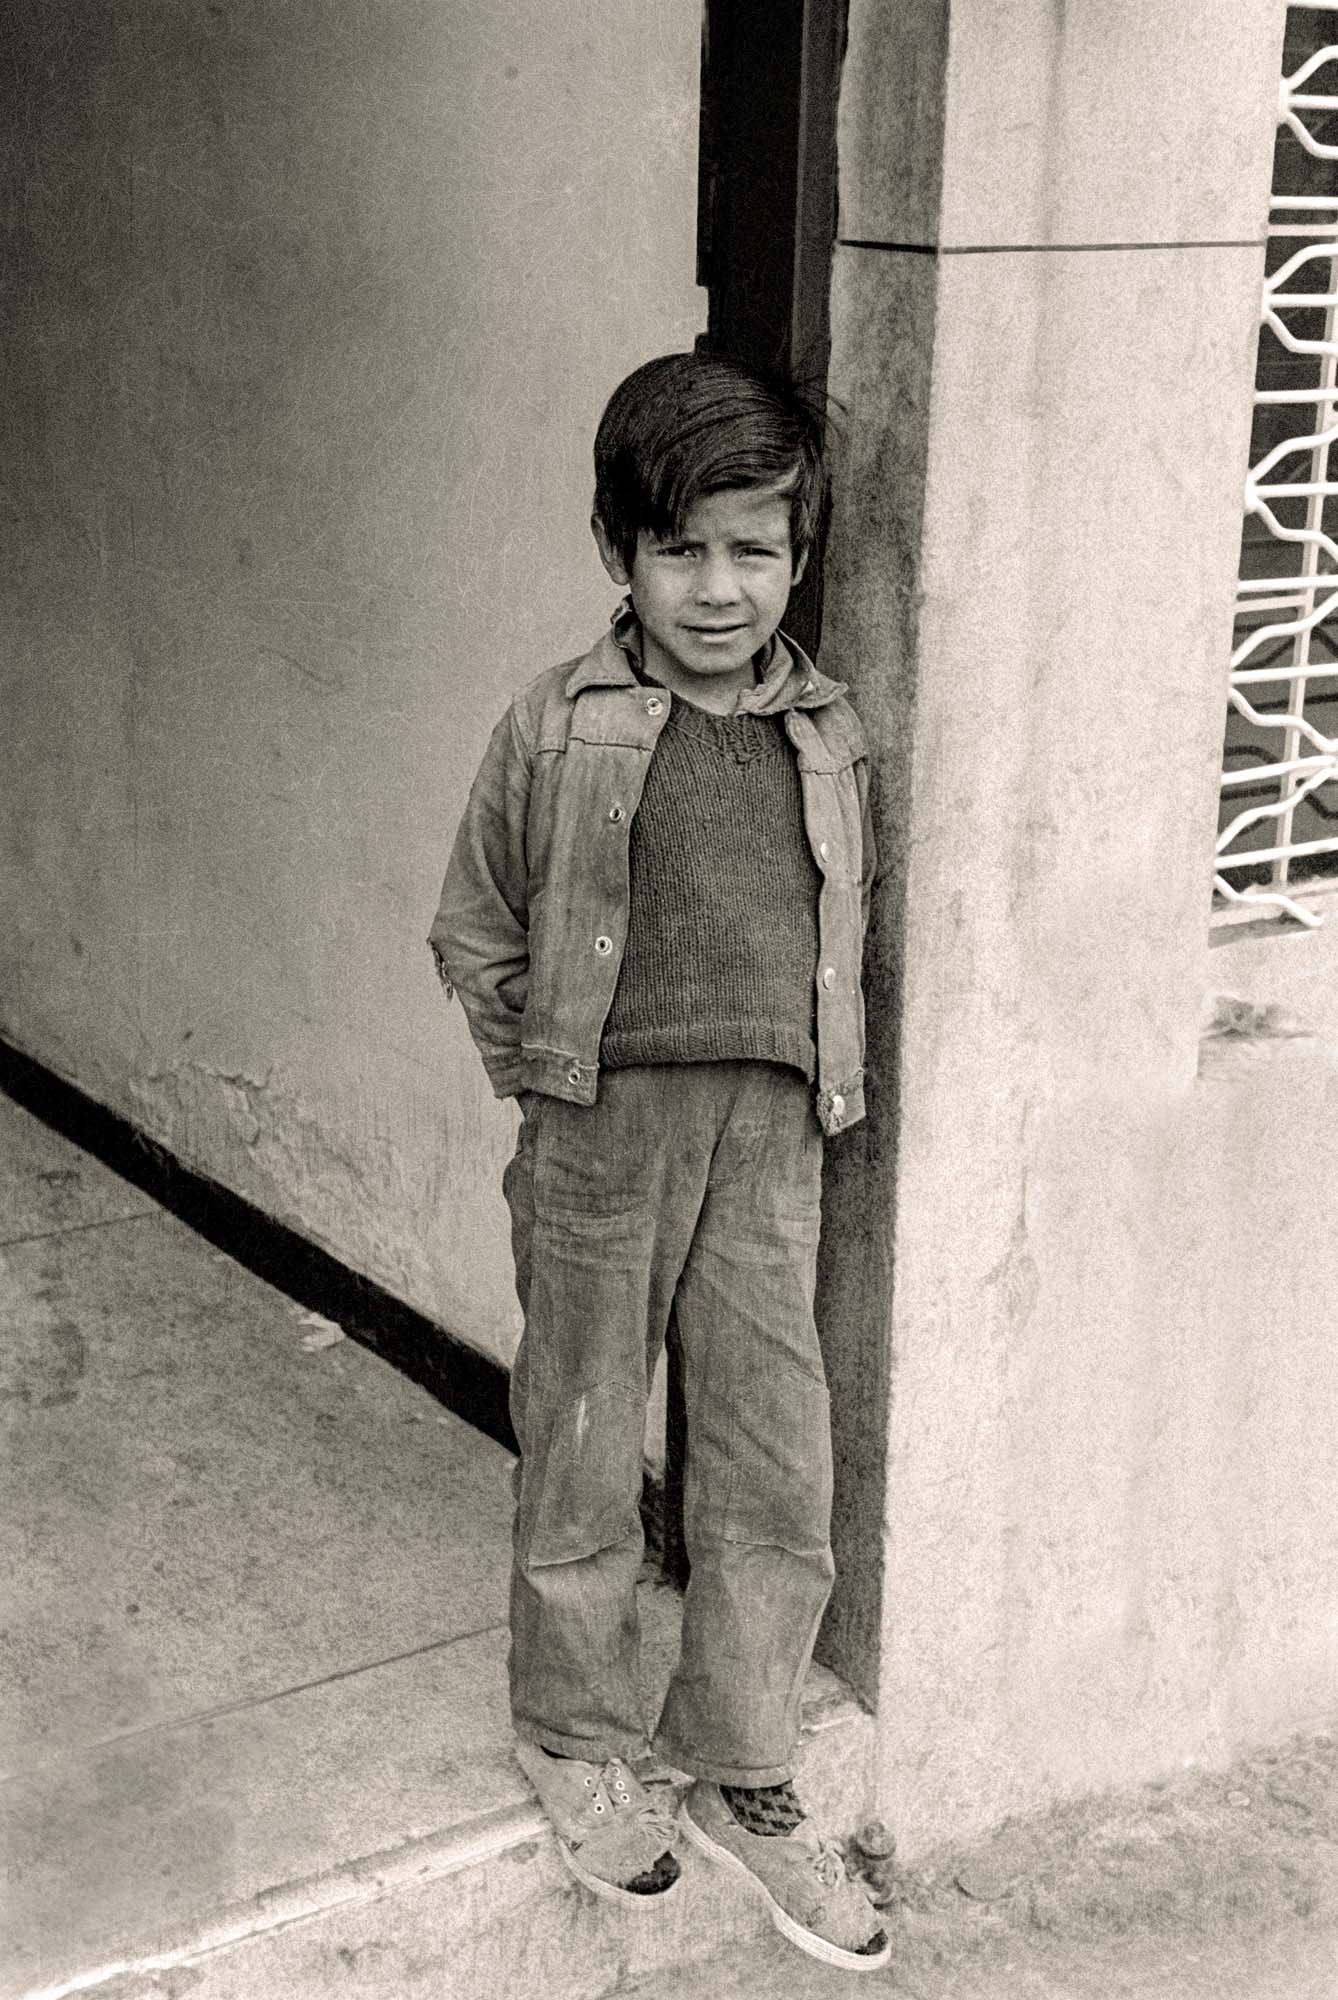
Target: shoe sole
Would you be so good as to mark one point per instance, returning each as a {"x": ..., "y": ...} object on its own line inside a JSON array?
[
  {"x": 809, "y": 1941},
  {"x": 610, "y": 1891}
]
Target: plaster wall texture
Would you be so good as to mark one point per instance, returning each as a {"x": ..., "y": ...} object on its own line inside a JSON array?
[
  {"x": 314, "y": 310},
  {"x": 970, "y": 123},
  {"x": 1104, "y": 1250}
]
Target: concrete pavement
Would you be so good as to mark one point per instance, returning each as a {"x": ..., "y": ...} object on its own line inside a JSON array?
[{"x": 252, "y": 1664}]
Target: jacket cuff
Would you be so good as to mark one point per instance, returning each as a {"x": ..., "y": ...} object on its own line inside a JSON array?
[{"x": 838, "y": 1110}]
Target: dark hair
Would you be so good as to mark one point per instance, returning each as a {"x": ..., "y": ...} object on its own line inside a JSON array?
[{"x": 686, "y": 425}]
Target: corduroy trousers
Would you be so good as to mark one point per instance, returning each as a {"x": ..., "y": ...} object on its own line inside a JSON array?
[{"x": 693, "y": 1190}]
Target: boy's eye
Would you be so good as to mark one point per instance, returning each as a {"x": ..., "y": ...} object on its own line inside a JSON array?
[{"x": 749, "y": 554}]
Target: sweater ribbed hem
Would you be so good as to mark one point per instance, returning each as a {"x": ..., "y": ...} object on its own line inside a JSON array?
[{"x": 712, "y": 1041}]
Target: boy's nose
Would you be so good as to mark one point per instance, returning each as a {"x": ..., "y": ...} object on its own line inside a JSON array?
[{"x": 717, "y": 582}]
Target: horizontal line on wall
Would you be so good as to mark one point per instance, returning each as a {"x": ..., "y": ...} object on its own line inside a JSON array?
[{"x": 1049, "y": 249}]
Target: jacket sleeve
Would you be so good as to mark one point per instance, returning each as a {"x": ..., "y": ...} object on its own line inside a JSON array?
[{"x": 480, "y": 935}]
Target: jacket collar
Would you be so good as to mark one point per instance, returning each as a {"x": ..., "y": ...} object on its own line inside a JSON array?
[{"x": 789, "y": 678}]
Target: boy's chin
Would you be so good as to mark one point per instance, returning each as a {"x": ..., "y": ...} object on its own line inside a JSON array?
[{"x": 706, "y": 661}]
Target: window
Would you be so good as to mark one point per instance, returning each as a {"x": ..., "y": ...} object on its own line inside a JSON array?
[{"x": 1278, "y": 828}]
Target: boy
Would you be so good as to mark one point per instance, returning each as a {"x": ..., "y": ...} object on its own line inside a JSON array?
[{"x": 654, "y": 915}]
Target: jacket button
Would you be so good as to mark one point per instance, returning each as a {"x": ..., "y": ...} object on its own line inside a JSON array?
[
  {"x": 617, "y": 813},
  {"x": 574, "y": 1073},
  {"x": 603, "y": 945},
  {"x": 654, "y": 706},
  {"x": 824, "y": 849},
  {"x": 829, "y": 977},
  {"x": 838, "y": 1107}
]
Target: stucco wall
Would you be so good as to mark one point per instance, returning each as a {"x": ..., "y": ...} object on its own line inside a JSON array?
[
  {"x": 1086, "y": 1261},
  {"x": 312, "y": 312}
]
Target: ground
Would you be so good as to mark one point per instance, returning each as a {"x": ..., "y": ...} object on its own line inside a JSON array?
[{"x": 1210, "y": 1887}]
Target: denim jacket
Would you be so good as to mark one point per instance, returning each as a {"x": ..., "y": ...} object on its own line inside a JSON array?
[{"x": 533, "y": 914}]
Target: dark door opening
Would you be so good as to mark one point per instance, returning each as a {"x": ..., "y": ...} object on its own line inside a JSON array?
[{"x": 766, "y": 197}]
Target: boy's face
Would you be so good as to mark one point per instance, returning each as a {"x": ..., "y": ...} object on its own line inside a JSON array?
[{"x": 711, "y": 599}]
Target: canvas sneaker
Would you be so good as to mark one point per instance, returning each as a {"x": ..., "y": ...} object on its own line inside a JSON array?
[
  {"x": 799, "y": 1875},
  {"x": 611, "y": 1833}
]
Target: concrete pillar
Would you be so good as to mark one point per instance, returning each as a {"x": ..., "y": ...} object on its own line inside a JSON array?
[{"x": 1044, "y": 314}]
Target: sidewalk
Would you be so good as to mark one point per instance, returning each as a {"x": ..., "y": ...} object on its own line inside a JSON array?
[
  {"x": 252, "y": 1665},
  {"x": 247, "y": 1582}
]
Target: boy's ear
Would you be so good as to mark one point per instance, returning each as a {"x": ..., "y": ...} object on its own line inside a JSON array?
[
  {"x": 797, "y": 573},
  {"x": 608, "y": 555}
]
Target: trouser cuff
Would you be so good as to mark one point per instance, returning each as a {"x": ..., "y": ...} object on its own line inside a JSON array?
[
  {"x": 590, "y": 1750},
  {"x": 683, "y": 1759}
]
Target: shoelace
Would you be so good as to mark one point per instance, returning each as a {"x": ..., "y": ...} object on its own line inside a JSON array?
[
  {"x": 615, "y": 1783},
  {"x": 830, "y": 1864},
  {"x": 612, "y": 1786}
]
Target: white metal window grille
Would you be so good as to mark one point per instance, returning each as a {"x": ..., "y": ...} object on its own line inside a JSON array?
[{"x": 1278, "y": 831}]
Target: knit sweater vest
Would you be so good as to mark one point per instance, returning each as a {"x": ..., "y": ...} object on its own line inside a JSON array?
[{"x": 722, "y": 921}]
